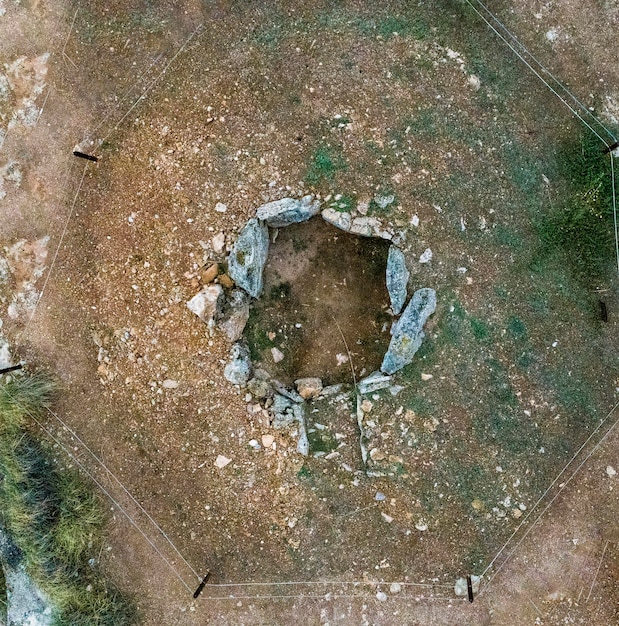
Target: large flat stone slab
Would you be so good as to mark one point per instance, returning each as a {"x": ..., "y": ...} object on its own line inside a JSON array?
[
  {"x": 397, "y": 279},
  {"x": 248, "y": 256},
  {"x": 407, "y": 333},
  {"x": 286, "y": 211}
]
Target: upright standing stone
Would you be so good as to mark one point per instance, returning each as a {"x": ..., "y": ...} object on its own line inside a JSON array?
[
  {"x": 397, "y": 278},
  {"x": 407, "y": 333},
  {"x": 248, "y": 256}
]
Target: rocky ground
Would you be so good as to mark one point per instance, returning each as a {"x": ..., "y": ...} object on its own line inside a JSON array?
[{"x": 244, "y": 106}]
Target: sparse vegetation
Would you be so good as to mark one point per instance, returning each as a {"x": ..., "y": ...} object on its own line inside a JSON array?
[
  {"x": 581, "y": 228},
  {"x": 52, "y": 515}
]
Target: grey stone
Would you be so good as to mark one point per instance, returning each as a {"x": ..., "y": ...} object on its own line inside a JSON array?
[
  {"x": 289, "y": 414},
  {"x": 235, "y": 315},
  {"x": 370, "y": 227},
  {"x": 407, "y": 332},
  {"x": 338, "y": 219},
  {"x": 288, "y": 211},
  {"x": 248, "y": 256},
  {"x": 331, "y": 390},
  {"x": 291, "y": 394},
  {"x": 374, "y": 382},
  {"x": 206, "y": 304},
  {"x": 397, "y": 278},
  {"x": 238, "y": 370},
  {"x": 259, "y": 388},
  {"x": 360, "y": 225},
  {"x": 26, "y": 602}
]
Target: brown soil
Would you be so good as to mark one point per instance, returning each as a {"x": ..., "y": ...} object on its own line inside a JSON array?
[
  {"x": 324, "y": 290},
  {"x": 236, "y": 118}
]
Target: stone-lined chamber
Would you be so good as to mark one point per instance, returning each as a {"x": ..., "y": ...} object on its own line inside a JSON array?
[{"x": 230, "y": 312}]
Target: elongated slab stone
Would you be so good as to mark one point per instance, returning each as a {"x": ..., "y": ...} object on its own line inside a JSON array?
[
  {"x": 397, "y": 278},
  {"x": 248, "y": 256},
  {"x": 407, "y": 333},
  {"x": 288, "y": 211}
]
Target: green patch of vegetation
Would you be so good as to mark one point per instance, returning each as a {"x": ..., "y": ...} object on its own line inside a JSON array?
[
  {"x": 414, "y": 26},
  {"x": 506, "y": 236},
  {"x": 280, "y": 292},
  {"x": 52, "y": 515},
  {"x": 321, "y": 441},
  {"x": 257, "y": 338},
  {"x": 516, "y": 328},
  {"x": 481, "y": 330},
  {"x": 581, "y": 229},
  {"x": 452, "y": 323},
  {"x": 304, "y": 472},
  {"x": 324, "y": 165}
]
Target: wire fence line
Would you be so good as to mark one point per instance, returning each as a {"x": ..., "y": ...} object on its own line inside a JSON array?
[
  {"x": 562, "y": 487},
  {"x": 530, "y": 61}
]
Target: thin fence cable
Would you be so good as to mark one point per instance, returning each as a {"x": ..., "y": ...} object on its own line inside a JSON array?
[
  {"x": 122, "y": 486},
  {"x": 101, "y": 487},
  {"x": 329, "y": 596},
  {"x": 614, "y": 188},
  {"x": 155, "y": 80},
  {"x": 562, "y": 487},
  {"x": 546, "y": 71},
  {"x": 367, "y": 583},
  {"x": 126, "y": 95},
  {"x": 64, "y": 231},
  {"x": 524, "y": 60}
]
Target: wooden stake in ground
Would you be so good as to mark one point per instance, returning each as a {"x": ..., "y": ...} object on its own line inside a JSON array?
[
  {"x": 469, "y": 587},
  {"x": 201, "y": 586}
]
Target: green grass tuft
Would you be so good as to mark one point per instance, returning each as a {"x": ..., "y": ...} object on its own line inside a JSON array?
[
  {"x": 52, "y": 515},
  {"x": 581, "y": 230}
]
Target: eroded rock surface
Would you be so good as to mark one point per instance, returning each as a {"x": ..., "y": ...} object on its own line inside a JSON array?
[
  {"x": 248, "y": 256},
  {"x": 407, "y": 333},
  {"x": 288, "y": 211},
  {"x": 238, "y": 370},
  {"x": 397, "y": 279},
  {"x": 236, "y": 314},
  {"x": 206, "y": 303}
]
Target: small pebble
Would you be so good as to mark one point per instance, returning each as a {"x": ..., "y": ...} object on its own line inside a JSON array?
[
  {"x": 168, "y": 383},
  {"x": 221, "y": 461},
  {"x": 611, "y": 471},
  {"x": 267, "y": 440},
  {"x": 395, "y": 588},
  {"x": 380, "y": 496},
  {"x": 277, "y": 355},
  {"x": 381, "y": 596}
]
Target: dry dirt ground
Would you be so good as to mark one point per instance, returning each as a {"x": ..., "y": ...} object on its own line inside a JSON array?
[{"x": 237, "y": 101}]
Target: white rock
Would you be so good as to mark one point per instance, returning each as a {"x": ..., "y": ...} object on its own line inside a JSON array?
[
  {"x": 221, "y": 461},
  {"x": 168, "y": 383},
  {"x": 205, "y": 304},
  {"x": 474, "y": 82},
  {"x": 277, "y": 355},
  {"x": 387, "y": 518},
  {"x": 395, "y": 588},
  {"x": 421, "y": 525},
  {"x": 218, "y": 242},
  {"x": 381, "y": 596},
  {"x": 426, "y": 256},
  {"x": 611, "y": 471},
  {"x": 220, "y": 207},
  {"x": 426, "y": 377},
  {"x": 267, "y": 440}
]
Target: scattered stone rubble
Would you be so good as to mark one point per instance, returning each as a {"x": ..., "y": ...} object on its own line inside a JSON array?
[{"x": 226, "y": 304}]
